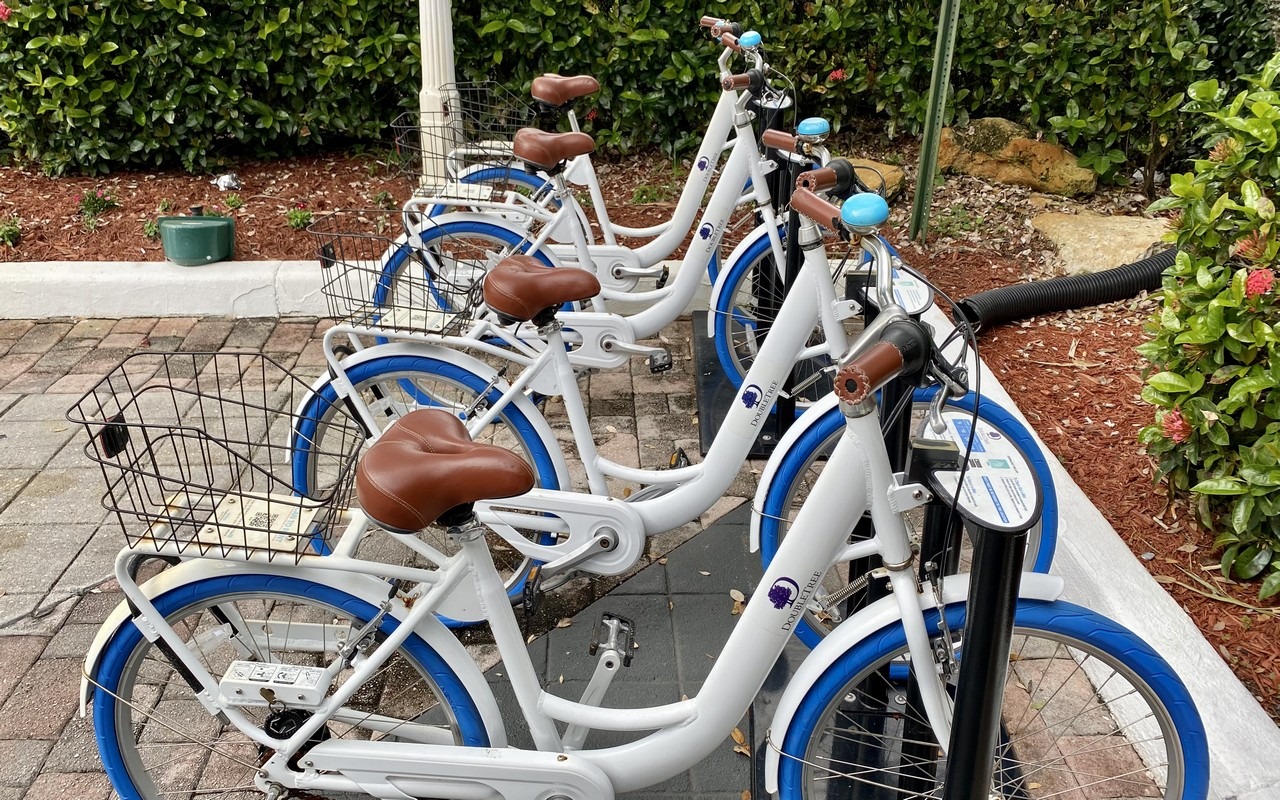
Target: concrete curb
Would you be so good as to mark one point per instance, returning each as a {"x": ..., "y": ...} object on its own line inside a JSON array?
[
  {"x": 1103, "y": 574},
  {"x": 118, "y": 289}
]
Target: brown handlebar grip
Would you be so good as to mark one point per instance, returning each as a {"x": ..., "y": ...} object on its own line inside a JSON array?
[
  {"x": 736, "y": 82},
  {"x": 778, "y": 140},
  {"x": 859, "y": 379},
  {"x": 730, "y": 41},
  {"x": 817, "y": 180},
  {"x": 815, "y": 208},
  {"x": 709, "y": 22}
]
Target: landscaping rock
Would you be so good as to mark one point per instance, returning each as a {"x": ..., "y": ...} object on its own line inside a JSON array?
[
  {"x": 1089, "y": 242},
  {"x": 1000, "y": 150},
  {"x": 877, "y": 174}
]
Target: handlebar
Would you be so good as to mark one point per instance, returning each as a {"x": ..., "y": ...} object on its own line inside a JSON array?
[
  {"x": 815, "y": 208},
  {"x": 751, "y": 80},
  {"x": 730, "y": 41},
  {"x": 779, "y": 140},
  {"x": 904, "y": 346},
  {"x": 720, "y": 26},
  {"x": 837, "y": 176}
]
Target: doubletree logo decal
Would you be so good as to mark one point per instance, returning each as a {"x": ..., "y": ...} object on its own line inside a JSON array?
[
  {"x": 703, "y": 163},
  {"x": 782, "y": 592},
  {"x": 751, "y": 396},
  {"x": 705, "y": 230}
]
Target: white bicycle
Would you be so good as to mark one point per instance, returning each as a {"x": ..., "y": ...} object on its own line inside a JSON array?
[{"x": 262, "y": 667}]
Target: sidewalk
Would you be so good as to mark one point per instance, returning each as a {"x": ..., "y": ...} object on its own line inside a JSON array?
[{"x": 57, "y": 543}]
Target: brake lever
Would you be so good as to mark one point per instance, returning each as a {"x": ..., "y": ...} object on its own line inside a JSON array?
[{"x": 955, "y": 383}]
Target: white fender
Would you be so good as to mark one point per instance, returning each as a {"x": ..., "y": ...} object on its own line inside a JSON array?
[
  {"x": 364, "y": 587},
  {"x": 806, "y": 420},
  {"x": 472, "y": 365},
  {"x": 883, "y": 612},
  {"x": 760, "y": 232}
]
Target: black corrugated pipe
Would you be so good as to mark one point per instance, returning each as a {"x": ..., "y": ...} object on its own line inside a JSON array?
[{"x": 992, "y": 307}]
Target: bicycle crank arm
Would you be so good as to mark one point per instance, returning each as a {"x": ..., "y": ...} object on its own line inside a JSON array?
[{"x": 404, "y": 770}]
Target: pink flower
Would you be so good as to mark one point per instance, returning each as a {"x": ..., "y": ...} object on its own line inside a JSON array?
[
  {"x": 1175, "y": 427},
  {"x": 836, "y": 75},
  {"x": 5, "y": 11},
  {"x": 592, "y": 114},
  {"x": 1259, "y": 282}
]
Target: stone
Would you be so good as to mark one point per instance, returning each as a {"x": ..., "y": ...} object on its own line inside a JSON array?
[
  {"x": 1000, "y": 150},
  {"x": 884, "y": 178},
  {"x": 1089, "y": 242}
]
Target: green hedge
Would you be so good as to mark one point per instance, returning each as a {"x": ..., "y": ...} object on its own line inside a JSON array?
[
  {"x": 131, "y": 81},
  {"x": 97, "y": 85}
]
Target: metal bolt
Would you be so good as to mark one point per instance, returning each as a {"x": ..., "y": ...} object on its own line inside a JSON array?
[
  {"x": 308, "y": 763},
  {"x": 917, "y": 494}
]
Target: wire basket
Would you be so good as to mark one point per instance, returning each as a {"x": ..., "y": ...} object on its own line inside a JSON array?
[
  {"x": 375, "y": 276},
  {"x": 201, "y": 453},
  {"x": 476, "y": 126}
]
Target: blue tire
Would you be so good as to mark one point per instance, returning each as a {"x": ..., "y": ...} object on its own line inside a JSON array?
[
  {"x": 853, "y": 718},
  {"x": 413, "y": 380},
  {"x": 817, "y": 439},
  {"x": 129, "y": 674}
]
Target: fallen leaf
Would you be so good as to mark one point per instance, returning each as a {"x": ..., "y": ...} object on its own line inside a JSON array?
[
  {"x": 1188, "y": 548},
  {"x": 746, "y": 794},
  {"x": 662, "y": 560},
  {"x": 562, "y": 678},
  {"x": 564, "y": 623},
  {"x": 738, "y": 736},
  {"x": 737, "y": 595},
  {"x": 742, "y": 748},
  {"x": 703, "y": 572}
]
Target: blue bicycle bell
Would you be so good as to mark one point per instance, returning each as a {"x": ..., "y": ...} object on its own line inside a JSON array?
[
  {"x": 864, "y": 211},
  {"x": 749, "y": 39}
]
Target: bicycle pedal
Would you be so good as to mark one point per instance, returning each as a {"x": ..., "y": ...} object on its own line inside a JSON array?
[
  {"x": 662, "y": 279},
  {"x": 616, "y": 633},
  {"x": 531, "y": 597},
  {"x": 660, "y": 362},
  {"x": 679, "y": 459}
]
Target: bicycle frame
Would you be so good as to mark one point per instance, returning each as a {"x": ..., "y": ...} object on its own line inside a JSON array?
[{"x": 581, "y": 171}]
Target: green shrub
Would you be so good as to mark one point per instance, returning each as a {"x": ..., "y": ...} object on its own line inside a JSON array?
[
  {"x": 149, "y": 82},
  {"x": 1215, "y": 347},
  {"x": 10, "y": 230},
  {"x": 298, "y": 218},
  {"x": 142, "y": 82}
]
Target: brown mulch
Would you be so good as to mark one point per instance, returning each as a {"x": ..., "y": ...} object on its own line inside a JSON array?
[{"x": 1075, "y": 375}]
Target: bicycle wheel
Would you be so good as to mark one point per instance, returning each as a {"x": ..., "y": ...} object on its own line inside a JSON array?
[
  {"x": 393, "y": 385},
  {"x": 157, "y": 740},
  {"x": 803, "y": 462},
  {"x": 440, "y": 268},
  {"x": 1089, "y": 711},
  {"x": 751, "y": 297}
]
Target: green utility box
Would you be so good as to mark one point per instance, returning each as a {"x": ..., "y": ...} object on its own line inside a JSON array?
[{"x": 192, "y": 241}]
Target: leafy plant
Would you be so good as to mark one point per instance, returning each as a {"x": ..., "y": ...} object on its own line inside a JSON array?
[
  {"x": 384, "y": 199},
  {"x": 10, "y": 230},
  {"x": 167, "y": 205},
  {"x": 1215, "y": 346},
  {"x": 95, "y": 203},
  {"x": 233, "y": 201},
  {"x": 298, "y": 218},
  {"x": 151, "y": 229}
]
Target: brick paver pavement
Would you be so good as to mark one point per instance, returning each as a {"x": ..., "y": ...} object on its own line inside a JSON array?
[{"x": 57, "y": 543}]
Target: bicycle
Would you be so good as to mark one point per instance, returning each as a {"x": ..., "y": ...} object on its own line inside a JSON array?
[
  {"x": 475, "y": 140},
  {"x": 270, "y": 669}
]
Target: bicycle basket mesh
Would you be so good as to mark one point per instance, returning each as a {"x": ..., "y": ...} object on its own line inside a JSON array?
[
  {"x": 476, "y": 126},
  {"x": 372, "y": 279},
  {"x": 198, "y": 452}
]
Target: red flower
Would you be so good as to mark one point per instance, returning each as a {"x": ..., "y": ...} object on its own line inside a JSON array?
[
  {"x": 5, "y": 11},
  {"x": 836, "y": 75},
  {"x": 592, "y": 114},
  {"x": 1259, "y": 282},
  {"x": 1175, "y": 427}
]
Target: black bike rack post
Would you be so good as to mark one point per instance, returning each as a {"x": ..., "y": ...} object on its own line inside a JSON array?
[{"x": 984, "y": 664}]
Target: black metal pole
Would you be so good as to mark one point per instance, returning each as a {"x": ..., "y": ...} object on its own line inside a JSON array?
[{"x": 984, "y": 663}]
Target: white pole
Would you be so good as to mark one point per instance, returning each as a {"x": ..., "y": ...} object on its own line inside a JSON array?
[{"x": 435, "y": 30}]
